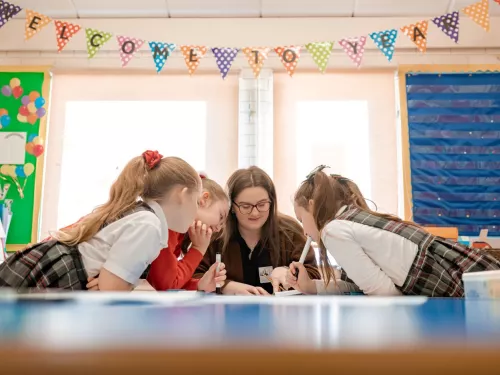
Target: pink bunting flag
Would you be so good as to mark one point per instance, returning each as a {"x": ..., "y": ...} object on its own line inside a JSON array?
[
  {"x": 128, "y": 48},
  {"x": 354, "y": 48}
]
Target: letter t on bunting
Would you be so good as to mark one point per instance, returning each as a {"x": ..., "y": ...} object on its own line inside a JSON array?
[
  {"x": 192, "y": 56},
  {"x": 128, "y": 48},
  {"x": 354, "y": 48},
  {"x": 34, "y": 23},
  {"x": 7, "y": 11},
  {"x": 418, "y": 34},
  {"x": 289, "y": 57},
  {"x": 256, "y": 57}
]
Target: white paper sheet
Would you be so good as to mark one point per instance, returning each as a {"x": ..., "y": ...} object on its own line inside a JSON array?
[{"x": 12, "y": 147}]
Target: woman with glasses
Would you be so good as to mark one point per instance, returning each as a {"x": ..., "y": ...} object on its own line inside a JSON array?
[{"x": 257, "y": 243}]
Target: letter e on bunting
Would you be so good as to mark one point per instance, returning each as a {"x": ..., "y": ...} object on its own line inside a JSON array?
[
  {"x": 289, "y": 57},
  {"x": 256, "y": 57},
  {"x": 418, "y": 34},
  {"x": 354, "y": 48},
  {"x": 128, "y": 47},
  {"x": 34, "y": 23},
  {"x": 64, "y": 32},
  {"x": 479, "y": 13},
  {"x": 192, "y": 56},
  {"x": 385, "y": 41}
]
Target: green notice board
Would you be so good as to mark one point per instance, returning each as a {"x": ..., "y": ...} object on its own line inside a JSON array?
[{"x": 24, "y": 97}]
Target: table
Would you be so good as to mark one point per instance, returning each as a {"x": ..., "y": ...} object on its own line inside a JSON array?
[{"x": 239, "y": 335}]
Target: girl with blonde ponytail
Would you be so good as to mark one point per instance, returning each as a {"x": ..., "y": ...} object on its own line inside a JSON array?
[{"x": 120, "y": 238}]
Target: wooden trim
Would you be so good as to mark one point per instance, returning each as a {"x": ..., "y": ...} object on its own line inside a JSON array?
[{"x": 448, "y": 68}]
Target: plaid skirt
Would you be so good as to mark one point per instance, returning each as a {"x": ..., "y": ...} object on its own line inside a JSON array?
[
  {"x": 46, "y": 265},
  {"x": 439, "y": 264}
]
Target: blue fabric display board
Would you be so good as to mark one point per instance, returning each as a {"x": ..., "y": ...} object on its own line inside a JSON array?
[{"x": 454, "y": 137}]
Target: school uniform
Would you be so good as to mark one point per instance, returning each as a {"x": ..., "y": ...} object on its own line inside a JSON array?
[
  {"x": 387, "y": 257},
  {"x": 253, "y": 267},
  {"x": 125, "y": 248}
]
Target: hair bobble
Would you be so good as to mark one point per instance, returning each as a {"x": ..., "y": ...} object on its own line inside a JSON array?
[
  {"x": 203, "y": 175},
  {"x": 152, "y": 158}
]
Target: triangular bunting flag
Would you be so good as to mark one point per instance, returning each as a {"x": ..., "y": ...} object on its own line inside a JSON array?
[
  {"x": 128, "y": 47},
  {"x": 64, "y": 32},
  {"x": 320, "y": 53},
  {"x": 418, "y": 34},
  {"x": 385, "y": 41},
  {"x": 224, "y": 58},
  {"x": 449, "y": 24},
  {"x": 95, "y": 40},
  {"x": 289, "y": 56},
  {"x": 192, "y": 56},
  {"x": 34, "y": 23},
  {"x": 161, "y": 52},
  {"x": 497, "y": 1},
  {"x": 479, "y": 13},
  {"x": 256, "y": 57},
  {"x": 7, "y": 11},
  {"x": 355, "y": 48}
]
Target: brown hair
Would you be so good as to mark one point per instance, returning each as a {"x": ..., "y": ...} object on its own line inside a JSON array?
[
  {"x": 329, "y": 194},
  {"x": 136, "y": 181},
  {"x": 276, "y": 222}
]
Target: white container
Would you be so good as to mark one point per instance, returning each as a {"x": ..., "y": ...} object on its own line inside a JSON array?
[{"x": 482, "y": 285}]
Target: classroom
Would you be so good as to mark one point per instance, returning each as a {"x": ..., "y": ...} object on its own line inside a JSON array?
[{"x": 314, "y": 183}]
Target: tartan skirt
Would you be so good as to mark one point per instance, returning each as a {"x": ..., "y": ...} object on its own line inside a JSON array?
[{"x": 45, "y": 265}]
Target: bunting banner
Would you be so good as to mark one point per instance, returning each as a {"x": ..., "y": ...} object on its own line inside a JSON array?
[
  {"x": 479, "y": 13},
  {"x": 320, "y": 53},
  {"x": 95, "y": 40},
  {"x": 256, "y": 57},
  {"x": 354, "y": 48},
  {"x": 128, "y": 47},
  {"x": 224, "y": 58},
  {"x": 34, "y": 23},
  {"x": 418, "y": 34},
  {"x": 449, "y": 24},
  {"x": 7, "y": 11},
  {"x": 385, "y": 41},
  {"x": 192, "y": 56},
  {"x": 289, "y": 57},
  {"x": 161, "y": 52},
  {"x": 64, "y": 32}
]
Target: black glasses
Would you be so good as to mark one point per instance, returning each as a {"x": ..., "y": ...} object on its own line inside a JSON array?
[{"x": 247, "y": 208}]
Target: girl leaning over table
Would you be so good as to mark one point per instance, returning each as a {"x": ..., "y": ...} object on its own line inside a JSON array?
[{"x": 380, "y": 253}]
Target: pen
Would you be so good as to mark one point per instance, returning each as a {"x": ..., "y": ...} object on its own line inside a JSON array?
[
  {"x": 307, "y": 246},
  {"x": 218, "y": 260}
]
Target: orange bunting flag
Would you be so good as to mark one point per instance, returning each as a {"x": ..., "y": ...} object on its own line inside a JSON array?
[
  {"x": 192, "y": 56},
  {"x": 256, "y": 57},
  {"x": 480, "y": 13},
  {"x": 64, "y": 32},
  {"x": 34, "y": 23},
  {"x": 289, "y": 56},
  {"x": 418, "y": 34}
]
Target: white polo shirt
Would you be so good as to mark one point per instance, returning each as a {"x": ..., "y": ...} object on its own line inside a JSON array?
[{"x": 127, "y": 246}]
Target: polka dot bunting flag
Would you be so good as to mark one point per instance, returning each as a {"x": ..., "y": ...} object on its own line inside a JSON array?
[
  {"x": 7, "y": 11},
  {"x": 161, "y": 52},
  {"x": 480, "y": 13},
  {"x": 224, "y": 58},
  {"x": 385, "y": 41},
  {"x": 193, "y": 56},
  {"x": 320, "y": 53},
  {"x": 256, "y": 57},
  {"x": 418, "y": 34},
  {"x": 128, "y": 47},
  {"x": 95, "y": 40},
  {"x": 34, "y": 23},
  {"x": 289, "y": 57},
  {"x": 448, "y": 24},
  {"x": 64, "y": 32},
  {"x": 354, "y": 48}
]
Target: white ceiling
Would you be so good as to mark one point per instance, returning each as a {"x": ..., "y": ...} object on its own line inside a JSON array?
[{"x": 244, "y": 8}]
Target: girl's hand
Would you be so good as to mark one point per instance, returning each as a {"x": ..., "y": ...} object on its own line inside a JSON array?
[
  {"x": 200, "y": 236},
  {"x": 209, "y": 280},
  {"x": 278, "y": 276},
  {"x": 240, "y": 289},
  {"x": 93, "y": 284},
  {"x": 304, "y": 284}
]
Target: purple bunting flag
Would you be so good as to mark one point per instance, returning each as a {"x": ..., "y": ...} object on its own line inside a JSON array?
[
  {"x": 7, "y": 11},
  {"x": 224, "y": 58},
  {"x": 448, "y": 24}
]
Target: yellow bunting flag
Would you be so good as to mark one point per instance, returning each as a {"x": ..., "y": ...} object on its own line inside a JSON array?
[
  {"x": 34, "y": 23},
  {"x": 95, "y": 40},
  {"x": 64, "y": 32},
  {"x": 480, "y": 13},
  {"x": 192, "y": 56},
  {"x": 256, "y": 57},
  {"x": 320, "y": 53},
  {"x": 418, "y": 34},
  {"x": 289, "y": 57}
]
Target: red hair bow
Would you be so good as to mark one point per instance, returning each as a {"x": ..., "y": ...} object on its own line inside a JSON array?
[{"x": 152, "y": 158}]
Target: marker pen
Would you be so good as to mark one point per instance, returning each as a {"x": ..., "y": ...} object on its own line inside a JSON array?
[
  {"x": 307, "y": 246},
  {"x": 218, "y": 260}
]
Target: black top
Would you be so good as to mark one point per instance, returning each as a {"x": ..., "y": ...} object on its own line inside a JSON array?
[{"x": 260, "y": 258}]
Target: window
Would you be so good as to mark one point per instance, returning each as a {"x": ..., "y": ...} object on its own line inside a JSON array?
[{"x": 102, "y": 136}]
